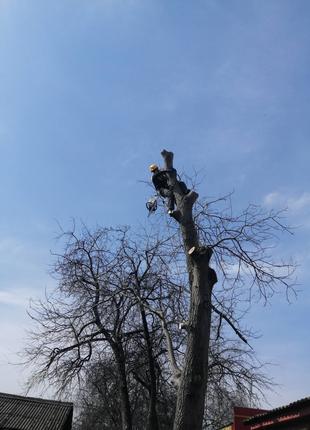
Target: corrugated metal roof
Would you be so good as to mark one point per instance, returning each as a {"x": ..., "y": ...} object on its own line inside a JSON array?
[
  {"x": 287, "y": 408},
  {"x": 28, "y": 413}
]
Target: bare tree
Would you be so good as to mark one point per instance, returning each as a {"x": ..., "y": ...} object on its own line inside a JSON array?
[
  {"x": 122, "y": 298},
  {"x": 98, "y": 401},
  {"x": 87, "y": 316},
  {"x": 241, "y": 249},
  {"x": 234, "y": 378},
  {"x": 108, "y": 284}
]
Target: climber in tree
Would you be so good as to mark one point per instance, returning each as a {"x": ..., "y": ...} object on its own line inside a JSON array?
[{"x": 160, "y": 181}]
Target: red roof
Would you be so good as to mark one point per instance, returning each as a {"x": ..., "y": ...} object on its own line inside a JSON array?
[{"x": 290, "y": 412}]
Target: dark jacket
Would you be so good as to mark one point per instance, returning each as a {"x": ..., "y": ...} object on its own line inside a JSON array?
[{"x": 160, "y": 180}]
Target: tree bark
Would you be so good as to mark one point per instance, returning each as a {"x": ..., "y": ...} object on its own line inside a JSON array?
[
  {"x": 152, "y": 419},
  {"x": 123, "y": 387},
  {"x": 193, "y": 384}
]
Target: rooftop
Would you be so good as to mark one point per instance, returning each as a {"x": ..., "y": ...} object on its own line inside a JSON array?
[
  {"x": 29, "y": 413},
  {"x": 287, "y": 409}
]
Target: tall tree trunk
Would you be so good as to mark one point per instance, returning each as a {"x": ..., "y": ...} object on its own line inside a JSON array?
[
  {"x": 123, "y": 387},
  {"x": 152, "y": 419},
  {"x": 193, "y": 383},
  {"x": 192, "y": 389}
]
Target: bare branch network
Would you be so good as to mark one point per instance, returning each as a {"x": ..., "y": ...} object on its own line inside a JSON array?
[{"x": 132, "y": 313}]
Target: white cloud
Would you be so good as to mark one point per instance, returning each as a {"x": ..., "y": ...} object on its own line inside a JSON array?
[
  {"x": 299, "y": 203},
  {"x": 272, "y": 199},
  {"x": 295, "y": 204},
  {"x": 16, "y": 298}
]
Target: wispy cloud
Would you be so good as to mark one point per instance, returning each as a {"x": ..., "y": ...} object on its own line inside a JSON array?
[
  {"x": 299, "y": 203},
  {"x": 296, "y": 204},
  {"x": 16, "y": 298},
  {"x": 273, "y": 199}
]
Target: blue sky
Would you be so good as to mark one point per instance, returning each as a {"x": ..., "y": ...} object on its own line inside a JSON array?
[{"x": 91, "y": 91}]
